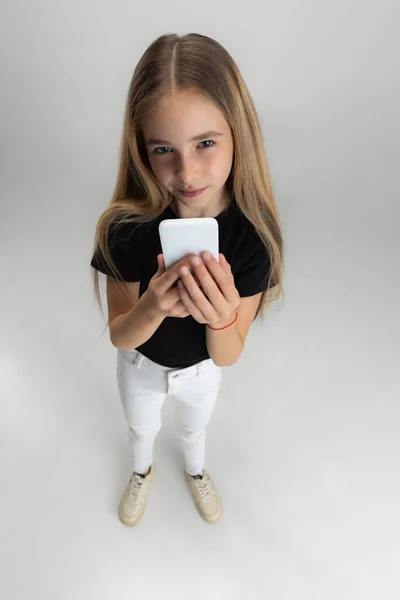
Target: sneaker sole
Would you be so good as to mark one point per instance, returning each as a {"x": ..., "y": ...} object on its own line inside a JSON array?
[
  {"x": 135, "y": 521},
  {"x": 209, "y": 520}
]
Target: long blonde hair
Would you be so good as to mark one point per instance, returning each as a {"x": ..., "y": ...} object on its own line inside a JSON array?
[{"x": 173, "y": 63}]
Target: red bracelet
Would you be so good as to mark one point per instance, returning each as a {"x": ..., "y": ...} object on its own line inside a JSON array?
[{"x": 219, "y": 328}]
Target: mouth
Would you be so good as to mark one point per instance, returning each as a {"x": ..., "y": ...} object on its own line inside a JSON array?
[{"x": 192, "y": 193}]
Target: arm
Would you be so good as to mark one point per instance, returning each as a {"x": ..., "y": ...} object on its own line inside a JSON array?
[
  {"x": 217, "y": 297},
  {"x": 225, "y": 346},
  {"x": 131, "y": 329},
  {"x": 131, "y": 322}
]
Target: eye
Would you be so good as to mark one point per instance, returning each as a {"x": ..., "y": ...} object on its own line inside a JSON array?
[
  {"x": 207, "y": 142},
  {"x": 161, "y": 150}
]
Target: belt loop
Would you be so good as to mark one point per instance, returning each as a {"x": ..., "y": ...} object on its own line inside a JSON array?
[{"x": 138, "y": 359}]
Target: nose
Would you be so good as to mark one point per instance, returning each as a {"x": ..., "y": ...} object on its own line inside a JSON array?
[{"x": 186, "y": 170}]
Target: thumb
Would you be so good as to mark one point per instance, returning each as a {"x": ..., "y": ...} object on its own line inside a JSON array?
[{"x": 161, "y": 265}]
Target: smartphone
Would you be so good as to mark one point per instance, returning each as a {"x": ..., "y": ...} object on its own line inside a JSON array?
[{"x": 183, "y": 236}]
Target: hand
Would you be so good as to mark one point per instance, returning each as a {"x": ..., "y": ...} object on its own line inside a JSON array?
[
  {"x": 216, "y": 298},
  {"x": 162, "y": 296}
]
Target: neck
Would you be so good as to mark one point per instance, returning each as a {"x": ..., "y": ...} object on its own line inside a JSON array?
[{"x": 210, "y": 210}]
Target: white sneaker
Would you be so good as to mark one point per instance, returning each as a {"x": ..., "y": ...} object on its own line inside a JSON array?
[
  {"x": 133, "y": 500},
  {"x": 206, "y": 497}
]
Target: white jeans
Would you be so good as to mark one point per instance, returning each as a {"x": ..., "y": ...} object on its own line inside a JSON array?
[{"x": 143, "y": 386}]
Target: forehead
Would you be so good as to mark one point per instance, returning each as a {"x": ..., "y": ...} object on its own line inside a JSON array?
[{"x": 183, "y": 115}]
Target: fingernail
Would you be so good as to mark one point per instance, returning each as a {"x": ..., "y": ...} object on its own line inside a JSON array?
[
  {"x": 196, "y": 261},
  {"x": 207, "y": 255},
  {"x": 184, "y": 271}
]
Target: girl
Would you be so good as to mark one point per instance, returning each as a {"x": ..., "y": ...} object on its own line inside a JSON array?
[{"x": 191, "y": 147}]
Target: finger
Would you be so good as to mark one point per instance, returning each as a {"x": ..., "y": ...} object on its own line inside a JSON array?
[
  {"x": 180, "y": 309},
  {"x": 160, "y": 266},
  {"x": 172, "y": 296},
  {"x": 171, "y": 275},
  {"x": 197, "y": 296},
  {"x": 189, "y": 304},
  {"x": 210, "y": 288},
  {"x": 223, "y": 278},
  {"x": 197, "y": 280},
  {"x": 184, "y": 311},
  {"x": 174, "y": 299},
  {"x": 224, "y": 263}
]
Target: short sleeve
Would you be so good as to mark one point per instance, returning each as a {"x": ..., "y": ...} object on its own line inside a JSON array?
[
  {"x": 252, "y": 276},
  {"x": 123, "y": 246}
]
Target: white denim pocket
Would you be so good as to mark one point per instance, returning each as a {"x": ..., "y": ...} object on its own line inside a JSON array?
[
  {"x": 208, "y": 376},
  {"x": 128, "y": 359}
]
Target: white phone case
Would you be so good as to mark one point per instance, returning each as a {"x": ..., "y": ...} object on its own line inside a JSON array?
[{"x": 180, "y": 237}]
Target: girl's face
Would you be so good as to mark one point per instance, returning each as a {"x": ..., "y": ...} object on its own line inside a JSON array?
[{"x": 190, "y": 147}]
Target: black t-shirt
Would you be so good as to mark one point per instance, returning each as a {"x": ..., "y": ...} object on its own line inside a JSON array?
[{"x": 179, "y": 343}]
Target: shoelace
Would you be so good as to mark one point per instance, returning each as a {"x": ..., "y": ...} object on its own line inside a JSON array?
[
  {"x": 204, "y": 487},
  {"x": 135, "y": 486}
]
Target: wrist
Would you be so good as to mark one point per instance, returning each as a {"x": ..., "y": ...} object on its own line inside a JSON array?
[
  {"x": 224, "y": 322},
  {"x": 150, "y": 312}
]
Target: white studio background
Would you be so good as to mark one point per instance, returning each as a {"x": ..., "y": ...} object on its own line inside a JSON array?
[{"x": 304, "y": 444}]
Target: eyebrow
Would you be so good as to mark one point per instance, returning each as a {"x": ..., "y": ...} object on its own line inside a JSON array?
[{"x": 196, "y": 138}]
